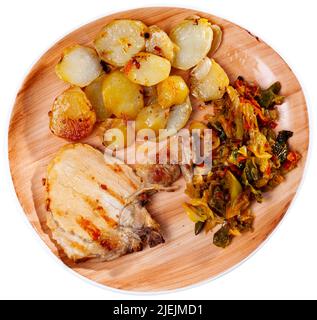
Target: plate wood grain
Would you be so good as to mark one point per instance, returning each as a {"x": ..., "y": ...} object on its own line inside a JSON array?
[{"x": 185, "y": 259}]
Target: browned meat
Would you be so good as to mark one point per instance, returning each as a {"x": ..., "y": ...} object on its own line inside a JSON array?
[
  {"x": 164, "y": 175},
  {"x": 91, "y": 211}
]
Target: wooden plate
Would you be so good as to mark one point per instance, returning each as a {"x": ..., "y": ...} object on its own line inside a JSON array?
[{"x": 185, "y": 259}]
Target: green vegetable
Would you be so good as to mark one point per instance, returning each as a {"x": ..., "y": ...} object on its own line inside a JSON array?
[
  {"x": 221, "y": 133},
  {"x": 259, "y": 145},
  {"x": 234, "y": 185},
  {"x": 223, "y": 238},
  {"x": 199, "y": 226},
  {"x": 280, "y": 148},
  {"x": 250, "y": 175},
  {"x": 217, "y": 202},
  {"x": 281, "y": 151},
  {"x": 283, "y": 136},
  {"x": 233, "y": 157},
  {"x": 242, "y": 224},
  {"x": 249, "y": 158},
  {"x": 250, "y": 172},
  {"x": 198, "y": 210},
  {"x": 239, "y": 132},
  {"x": 269, "y": 134},
  {"x": 244, "y": 151},
  {"x": 270, "y": 97}
]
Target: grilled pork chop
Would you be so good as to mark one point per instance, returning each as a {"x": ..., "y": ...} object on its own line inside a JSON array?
[{"x": 91, "y": 209}]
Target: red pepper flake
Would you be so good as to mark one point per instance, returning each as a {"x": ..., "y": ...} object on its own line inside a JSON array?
[
  {"x": 103, "y": 187},
  {"x": 241, "y": 158},
  {"x": 292, "y": 159},
  {"x": 272, "y": 124},
  {"x": 135, "y": 62},
  {"x": 157, "y": 48}
]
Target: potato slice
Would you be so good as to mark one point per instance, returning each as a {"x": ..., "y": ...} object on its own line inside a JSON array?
[
  {"x": 193, "y": 37},
  {"x": 72, "y": 116},
  {"x": 147, "y": 69},
  {"x": 179, "y": 116},
  {"x": 217, "y": 39},
  {"x": 177, "y": 119},
  {"x": 115, "y": 135},
  {"x": 208, "y": 80},
  {"x": 172, "y": 91},
  {"x": 120, "y": 40},
  {"x": 79, "y": 66},
  {"x": 94, "y": 95},
  {"x": 159, "y": 43},
  {"x": 152, "y": 117},
  {"x": 121, "y": 96}
]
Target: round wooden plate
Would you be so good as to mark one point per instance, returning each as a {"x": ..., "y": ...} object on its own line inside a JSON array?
[{"x": 185, "y": 259}]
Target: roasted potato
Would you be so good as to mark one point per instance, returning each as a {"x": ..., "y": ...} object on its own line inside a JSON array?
[
  {"x": 120, "y": 40},
  {"x": 72, "y": 116},
  {"x": 208, "y": 80},
  {"x": 159, "y": 43},
  {"x": 121, "y": 96},
  {"x": 179, "y": 115},
  {"x": 152, "y": 117},
  {"x": 94, "y": 95},
  {"x": 217, "y": 39},
  {"x": 177, "y": 118},
  {"x": 115, "y": 135},
  {"x": 147, "y": 69},
  {"x": 172, "y": 91},
  {"x": 193, "y": 38},
  {"x": 79, "y": 66}
]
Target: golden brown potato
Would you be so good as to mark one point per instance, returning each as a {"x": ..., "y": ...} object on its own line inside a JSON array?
[
  {"x": 172, "y": 91},
  {"x": 193, "y": 37},
  {"x": 217, "y": 39},
  {"x": 79, "y": 66},
  {"x": 152, "y": 117},
  {"x": 120, "y": 40},
  {"x": 147, "y": 69},
  {"x": 94, "y": 95},
  {"x": 177, "y": 118},
  {"x": 159, "y": 43},
  {"x": 121, "y": 96},
  {"x": 72, "y": 116},
  {"x": 208, "y": 80},
  {"x": 179, "y": 115}
]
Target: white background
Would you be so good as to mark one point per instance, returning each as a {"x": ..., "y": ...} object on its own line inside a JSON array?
[{"x": 285, "y": 267}]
